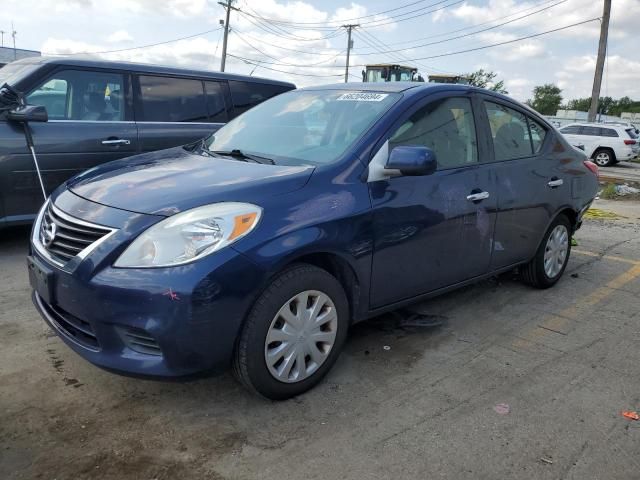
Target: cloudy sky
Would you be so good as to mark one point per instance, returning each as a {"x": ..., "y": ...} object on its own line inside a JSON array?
[{"x": 302, "y": 41}]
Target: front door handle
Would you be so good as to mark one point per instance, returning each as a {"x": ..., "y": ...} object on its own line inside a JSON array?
[
  {"x": 555, "y": 182},
  {"x": 476, "y": 197},
  {"x": 117, "y": 141}
]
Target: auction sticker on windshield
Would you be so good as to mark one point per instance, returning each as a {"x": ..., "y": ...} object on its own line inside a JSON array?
[{"x": 362, "y": 97}]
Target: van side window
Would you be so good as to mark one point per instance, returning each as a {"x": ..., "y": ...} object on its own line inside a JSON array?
[
  {"x": 170, "y": 99},
  {"x": 249, "y": 94},
  {"x": 510, "y": 132},
  {"x": 215, "y": 102},
  {"x": 81, "y": 95},
  {"x": 446, "y": 127}
]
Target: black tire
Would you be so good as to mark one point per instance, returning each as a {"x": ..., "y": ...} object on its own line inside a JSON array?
[
  {"x": 607, "y": 159},
  {"x": 249, "y": 365},
  {"x": 533, "y": 273}
]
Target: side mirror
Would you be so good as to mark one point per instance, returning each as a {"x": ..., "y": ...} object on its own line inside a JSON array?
[
  {"x": 412, "y": 160},
  {"x": 28, "y": 113}
]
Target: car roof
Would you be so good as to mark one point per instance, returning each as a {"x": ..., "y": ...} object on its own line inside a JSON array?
[{"x": 92, "y": 62}]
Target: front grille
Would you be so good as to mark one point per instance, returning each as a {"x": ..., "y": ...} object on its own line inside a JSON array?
[
  {"x": 75, "y": 328},
  {"x": 64, "y": 236},
  {"x": 140, "y": 341}
]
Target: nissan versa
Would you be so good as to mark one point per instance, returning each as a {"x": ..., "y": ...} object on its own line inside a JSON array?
[{"x": 259, "y": 246}]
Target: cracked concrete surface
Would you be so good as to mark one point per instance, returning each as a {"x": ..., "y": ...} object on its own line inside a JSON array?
[{"x": 565, "y": 360}]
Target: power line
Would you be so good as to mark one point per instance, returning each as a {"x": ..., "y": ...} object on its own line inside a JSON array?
[
  {"x": 307, "y": 52},
  {"x": 467, "y": 34},
  {"x": 372, "y": 40},
  {"x": 325, "y": 25},
  {"x": 260, "y": 64},
  {"x": 505, "y": 42},
  {"x": 473, "y": 26},
  {"x": 268, "y": 29},
  {"x": 136, "y": 48},
  {"x": 285, "y": 64},
  {"x": 349, "y": 19},
  {"x": 484, "y": 47},
  {"x": 396, "y": 20}
]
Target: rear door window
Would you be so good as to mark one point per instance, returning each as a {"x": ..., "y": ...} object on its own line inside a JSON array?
[
  {"x": 170, "y": 99},
  {"x": 510, "y": 132},
  {"x": 215, "y": 102},
  {"x": 81, "y": 95},
  {"x": 249, "y": 94},
  {"x": 591, "y": 131}
]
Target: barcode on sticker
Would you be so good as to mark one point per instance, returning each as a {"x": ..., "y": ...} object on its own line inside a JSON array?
[{"x": 362, "y": 97}]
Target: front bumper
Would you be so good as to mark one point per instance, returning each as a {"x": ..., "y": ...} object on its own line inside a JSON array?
[{"x": 157, "y": 322}]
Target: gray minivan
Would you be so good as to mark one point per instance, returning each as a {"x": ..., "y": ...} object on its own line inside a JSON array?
[{"x": 101, "y": 110}]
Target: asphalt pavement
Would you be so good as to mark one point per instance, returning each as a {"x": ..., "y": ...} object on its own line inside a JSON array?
[{"x": 515, "y": 383}]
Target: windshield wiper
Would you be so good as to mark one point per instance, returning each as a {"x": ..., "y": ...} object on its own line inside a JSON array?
[{"x": 236, "y": 153}]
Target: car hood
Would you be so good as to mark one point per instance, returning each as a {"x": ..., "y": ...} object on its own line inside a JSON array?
[{"x": 174, "y": 180}]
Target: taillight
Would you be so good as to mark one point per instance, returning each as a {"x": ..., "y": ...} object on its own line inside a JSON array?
[
  {"x": 629, "y": 142},
  {"x": 593, "y": 167}
]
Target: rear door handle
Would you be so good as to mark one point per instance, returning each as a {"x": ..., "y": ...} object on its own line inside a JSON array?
[
  {"x": 555, "y": 182},
  {"x": 118, "y": 141},
  {"x": 476, "y": 197}
]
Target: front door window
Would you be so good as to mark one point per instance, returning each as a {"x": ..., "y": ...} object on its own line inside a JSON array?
[{"x": 81, "y": 95}]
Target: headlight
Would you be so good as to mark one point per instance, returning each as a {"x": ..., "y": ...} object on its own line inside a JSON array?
[{"x": 190, "y": 235}]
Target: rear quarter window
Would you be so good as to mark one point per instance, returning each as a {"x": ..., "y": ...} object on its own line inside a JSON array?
[
  {"x": 592, "y": 131},
  {"x": 246, "y": 95},
  {"x": 609, "y": 132}
]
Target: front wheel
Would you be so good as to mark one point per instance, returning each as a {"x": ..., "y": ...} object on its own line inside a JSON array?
[
  {"x": 293, "y": 334},
  {"x": 552, "y": 256}
]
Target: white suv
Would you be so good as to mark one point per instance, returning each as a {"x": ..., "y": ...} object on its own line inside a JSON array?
[{"x": 605, "y": 144}]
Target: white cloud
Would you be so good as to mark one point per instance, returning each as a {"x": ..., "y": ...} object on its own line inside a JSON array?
[
  {"x": 620, "y": 77},
  {"x": 119, "y": 36}
]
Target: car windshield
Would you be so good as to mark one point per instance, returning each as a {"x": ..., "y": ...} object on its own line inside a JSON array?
[
  {"x": 303, "y": 127},
  {"x": 632, "y": 133}
]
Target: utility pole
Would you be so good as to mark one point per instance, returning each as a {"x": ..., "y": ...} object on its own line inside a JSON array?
[
  {"x": 2, "y": 38},
  {"x": 227, "y": 7},
  {"x": 349, "y": 47},
  {"x": 602, "y": 51}
]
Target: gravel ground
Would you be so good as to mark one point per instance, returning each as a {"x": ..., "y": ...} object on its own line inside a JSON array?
[{"x": 516, "y": 383}]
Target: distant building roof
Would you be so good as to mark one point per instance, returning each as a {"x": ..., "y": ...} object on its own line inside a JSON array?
[{"x": 9, "y": 54}]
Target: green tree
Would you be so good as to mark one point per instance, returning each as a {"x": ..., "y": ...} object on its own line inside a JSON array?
[
  {"x": 579, "y": 104},
  {"x": 486, "y": 79},
  {"x": 546, "y": 99}
]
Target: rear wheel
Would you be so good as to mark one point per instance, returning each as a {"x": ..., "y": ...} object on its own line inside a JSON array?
[
  {"x": 604, "y": 157},
  {"x": 552, "y": 256},
  {"x": 293, "y": 334}
]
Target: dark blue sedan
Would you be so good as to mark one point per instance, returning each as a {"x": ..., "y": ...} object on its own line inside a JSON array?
[{"x": 319, "y": 208}]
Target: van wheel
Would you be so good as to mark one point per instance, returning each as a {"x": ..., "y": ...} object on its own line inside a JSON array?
[
  {"x": 604, "y": 157},
  {"x": 552, "y": 256},
  {"x": 293, "y": 334}
]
